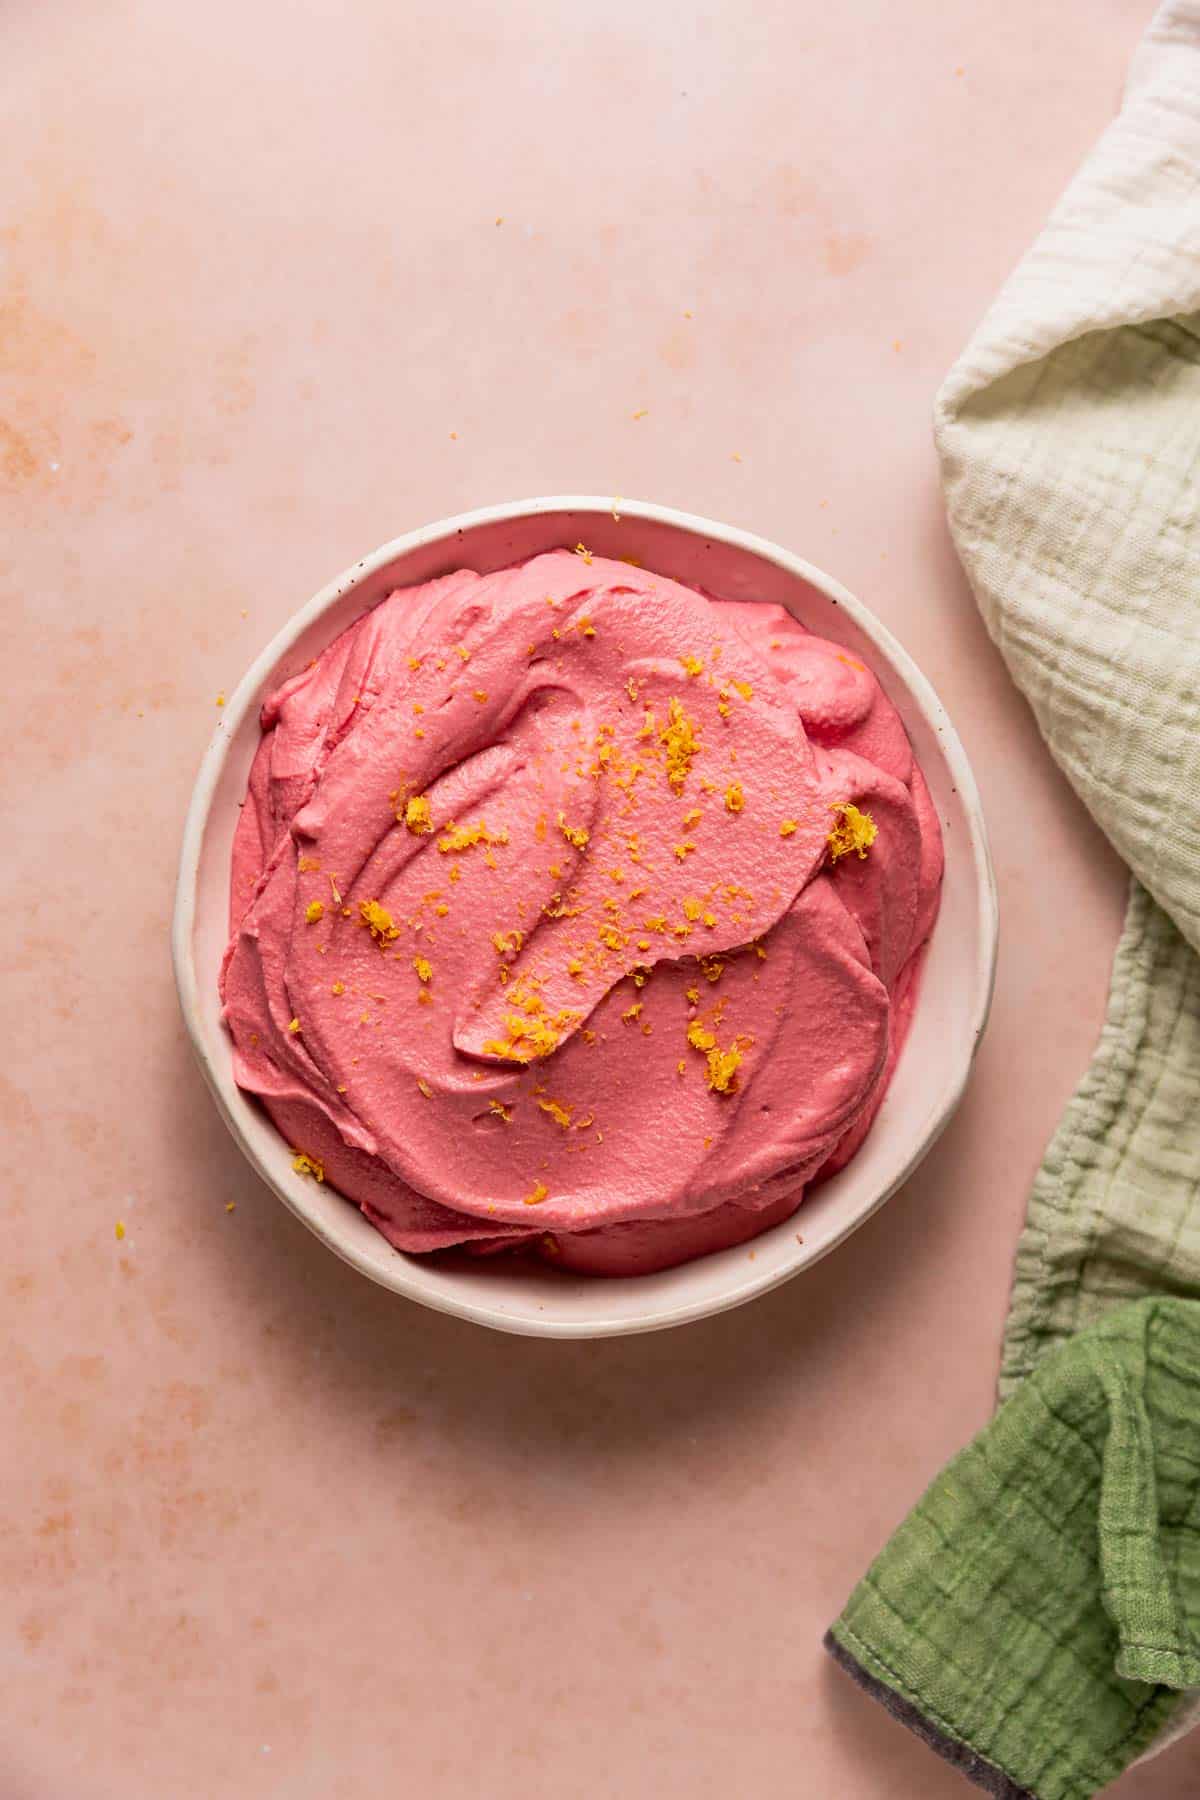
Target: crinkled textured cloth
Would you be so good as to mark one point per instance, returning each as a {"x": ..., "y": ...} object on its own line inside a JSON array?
[{"x": 1037, "y": 1617}]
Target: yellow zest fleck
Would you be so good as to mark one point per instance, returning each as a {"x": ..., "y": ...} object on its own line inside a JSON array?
[
  {"x": 854, "y": 832},
  {"x": 553, "y": 1110},
  {"x": 612, "y": 937},
  {"x": 425, "y": 1088},
  {"x": 416, "y": 815},
  {"x": 631, "y": 688},
  {"x": 294, "y": 1027},
  {"x": 692, "y": 908},
  {"x": 681, "y": 1068},
  {"x": 463, "y": 652},
  {"x": 586, "y": 628},
  {"x": 417, "y": 708},
  {"x": 735, "y": 800},
  {"x": 528, "y": 1038},
  {"x": 539, "y": 830},
  {"x": 308, "y": 863},
  {"x": 574, "y": 834},
  {"x": 589, "y": 1037},
  {"x": 378, "y": 921},
  {"x": 480, "y": 694},
  {"x": 456, "y": 873},
  {"x": 540, "y": 1192},
  {"x": 500, "y": 1111},
  {"x": 692, "y": 665},
  {"x": 655, "y": 923},
  {"x": 220, "y": 699},
  {"x": 306, "y": 1164},
  {"x": 631, "y": 1012},
  {"x": 760, "y": 950},
  {"x": 713, "y": 967},
  {"x": 465, "y": 837},
  {"x": 743, "y": 688},
  {"x": 119, "y": 1228},
  {"x": 507, "y": 943},
  {"x": 441, "y": 909},
  {"x": 575, "y": 967},
  {"x": 693, "y": 994},
  {"x": 789, "y": 828},
  {"x": 678, "y": 736},
  {"x": 709, "y": 919},
  {"x": 424, "y": 997},
  {"x": 231, "y": 1206},
  {"x": 414, "y": 662},
  {"x": 641, "y": 413},
  {"x": 723, "y": 1066},
  {"x": 582, "y": 550},
  {"x": 314, "y": 910},
  {"x": 692, "y": 818},
  {"x": 685, "y": 849},
  {"x": 339, "y": 987},
  {"x": 423, "y": 967}
]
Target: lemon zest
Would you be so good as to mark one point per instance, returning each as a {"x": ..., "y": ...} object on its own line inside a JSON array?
[
  {"x": 559, "y": 1113},
  {"x": 854, "y": 832},
  {"x": 378, "y": 920}
]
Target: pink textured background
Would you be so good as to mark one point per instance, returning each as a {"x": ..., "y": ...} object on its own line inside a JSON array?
[{"x": 266, "y": 1530}]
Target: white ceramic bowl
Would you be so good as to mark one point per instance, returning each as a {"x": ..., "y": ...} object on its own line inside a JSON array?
[{"x": 952, "y": 1007}]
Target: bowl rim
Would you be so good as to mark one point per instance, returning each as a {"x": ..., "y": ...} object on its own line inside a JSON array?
[{"x": 402, "y": 1274}]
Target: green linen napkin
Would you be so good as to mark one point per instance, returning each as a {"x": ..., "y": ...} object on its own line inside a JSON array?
[{"x": 1037, "y": 1617}]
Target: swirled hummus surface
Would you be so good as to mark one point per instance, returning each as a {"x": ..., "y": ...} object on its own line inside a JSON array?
[{"x": 574, "y": 910}]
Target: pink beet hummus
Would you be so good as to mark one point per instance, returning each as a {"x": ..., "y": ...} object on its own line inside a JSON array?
[{"x": 577, "y": 912}]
